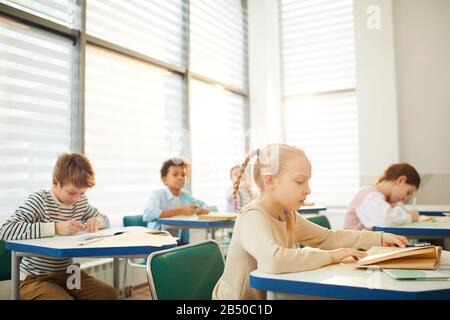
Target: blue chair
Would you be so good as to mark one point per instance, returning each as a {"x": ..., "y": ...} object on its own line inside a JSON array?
[{"x": 187, "y": 272}]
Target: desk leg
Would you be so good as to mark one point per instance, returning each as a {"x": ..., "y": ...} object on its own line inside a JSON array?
[
  {"x": 116, "y": 267},
  {"x": 213, "y": 233},
  {"x": 15, "y": 280}
]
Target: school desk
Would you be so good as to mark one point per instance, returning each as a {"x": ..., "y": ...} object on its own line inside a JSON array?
[
  {"x": 193, "y": 222},
  {"x": 431, "y": 210},
  {"x": 343, "y": 281},
  {"x": 434, "y": 228},
  {"x": 68, "y": 247},
  {"x": 312, "y": 209}
]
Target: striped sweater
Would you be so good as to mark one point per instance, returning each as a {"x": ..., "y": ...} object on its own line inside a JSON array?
[{"x": 36, "y": 218}]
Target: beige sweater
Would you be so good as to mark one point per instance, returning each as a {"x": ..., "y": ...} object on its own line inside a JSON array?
[{"x": 260, "y": 242}]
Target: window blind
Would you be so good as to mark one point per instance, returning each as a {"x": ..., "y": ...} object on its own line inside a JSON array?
[
  {"x": 317, "y": 46},
  {"x": 65, "y": 12},
  {"x": 35, "y": 83},
  {"x": 326, "y": 128},
  {"x": 132, "y": 112},
  {"x": 320, "y": 107},
  {"x": 156, "y": 28},
  {"x": 218, "y": 140},
  {"x": 218, "y": 35}
]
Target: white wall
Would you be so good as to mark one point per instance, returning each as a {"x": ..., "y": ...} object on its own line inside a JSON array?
[
  {"x": 422, "y": 47},
  {"x": 375, "y": 87},
  {"x": 403, "y": 90}
]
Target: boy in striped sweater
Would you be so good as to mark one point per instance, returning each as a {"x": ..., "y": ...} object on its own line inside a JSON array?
[{"x": 62, "y": 210}]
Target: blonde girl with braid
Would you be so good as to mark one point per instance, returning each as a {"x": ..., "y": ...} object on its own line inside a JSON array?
[
  {"x": 240, "y": 198},
  {"x": 268, "y": 230}
]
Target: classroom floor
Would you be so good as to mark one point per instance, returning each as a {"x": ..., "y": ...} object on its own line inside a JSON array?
[{"x": 142, "y": 293}]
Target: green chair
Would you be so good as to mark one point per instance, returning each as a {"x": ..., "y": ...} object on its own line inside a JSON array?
[
  {"x": 187, "y": 272},
  {"x": 5, "y": 262},
  {"x": 131, "y": 221},
  {"x": 321, "y": 221}
]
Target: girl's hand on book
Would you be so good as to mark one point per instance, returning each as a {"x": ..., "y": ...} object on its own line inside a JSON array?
[
  {"x": 393, "y": 240},
  {"x": 337, "y": 255}
]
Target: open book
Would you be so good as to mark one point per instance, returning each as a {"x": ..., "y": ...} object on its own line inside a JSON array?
[
  {"x": 124, "y": 236},
  {"x": 401, "y": 274},
  {"x": 425, "y": 258},
  {"x": 217, "y": 216}
]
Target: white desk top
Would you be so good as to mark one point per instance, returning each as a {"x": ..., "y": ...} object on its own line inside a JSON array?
[
  {"x": 134, "y": 241},
  {"x": 345, "y": 281}
]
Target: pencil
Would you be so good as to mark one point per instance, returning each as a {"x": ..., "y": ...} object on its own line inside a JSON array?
[{"x": 90, "y": 241}]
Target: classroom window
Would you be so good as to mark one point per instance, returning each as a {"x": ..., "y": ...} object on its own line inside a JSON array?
[
  {"x": 155, "y": 28},
  {"x": 319, "y": 101},
  {"x": 219, "y": 109},
  {"x": 218, "y": 140},
  {"x": 132, "y": 91},
  {"x": 133, "y": 110},
  {"x": 35, "y": 96},
  {"x": 218, "y": 35},
  {"x": 65, "y": 12}
]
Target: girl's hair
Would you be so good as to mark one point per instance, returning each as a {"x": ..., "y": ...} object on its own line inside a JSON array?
[
  {"x": 173, "y": 162},
  {"x": 74, "y": 168},
  {"x": 232, "y": 169},
  {"x": 393, "y": 171},
  {"x": 270, "y": 160}
]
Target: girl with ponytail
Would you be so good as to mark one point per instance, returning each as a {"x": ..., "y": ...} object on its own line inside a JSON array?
[{"x": 268, "y": 231}]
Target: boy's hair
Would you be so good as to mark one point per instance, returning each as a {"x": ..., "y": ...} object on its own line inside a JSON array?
[
  {"x": 270, "y": 160},
  {"x": 74, "y": 168},
  {"x": 173, "y": 162},
  {"x": 393, "y": 171}
]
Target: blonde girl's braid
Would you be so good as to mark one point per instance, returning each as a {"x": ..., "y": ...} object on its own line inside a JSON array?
[{"x": 237, "y": 182}]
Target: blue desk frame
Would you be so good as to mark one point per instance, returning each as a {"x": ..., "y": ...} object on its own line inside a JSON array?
[
  {"x": 206, "y": 224},
  {"x": 416, "y": 232},
  {"x": 342, "y": 292},
  {"x": 30, "y": 249}
]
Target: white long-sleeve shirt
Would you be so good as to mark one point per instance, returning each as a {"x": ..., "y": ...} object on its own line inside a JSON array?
[{"x": 369, "y": 208}]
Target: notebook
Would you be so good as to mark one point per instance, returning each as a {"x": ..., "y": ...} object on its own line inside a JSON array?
[
  {"x": 217, "y": 216},
  {"x": 402, "y": 274},
  {"x": 425, "y": 258}
]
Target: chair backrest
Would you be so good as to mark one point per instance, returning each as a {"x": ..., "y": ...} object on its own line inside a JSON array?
[
  {"x": 187, "y": 272},
  {"x": 321, "y": 220},
  {"x": 131, "y": 221},
  {"x": 5, "y": 262}
]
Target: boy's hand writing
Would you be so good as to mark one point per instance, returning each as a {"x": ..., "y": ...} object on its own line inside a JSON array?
[
  {"x": 414, "y": 215},
  {"x": 93, "y": 224},
  {"x": 202, "y": 211},
  {"x": 66, "y": 228},
  {"x": 393, "y": 240},
  {"x": 189, "y": 209}
]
